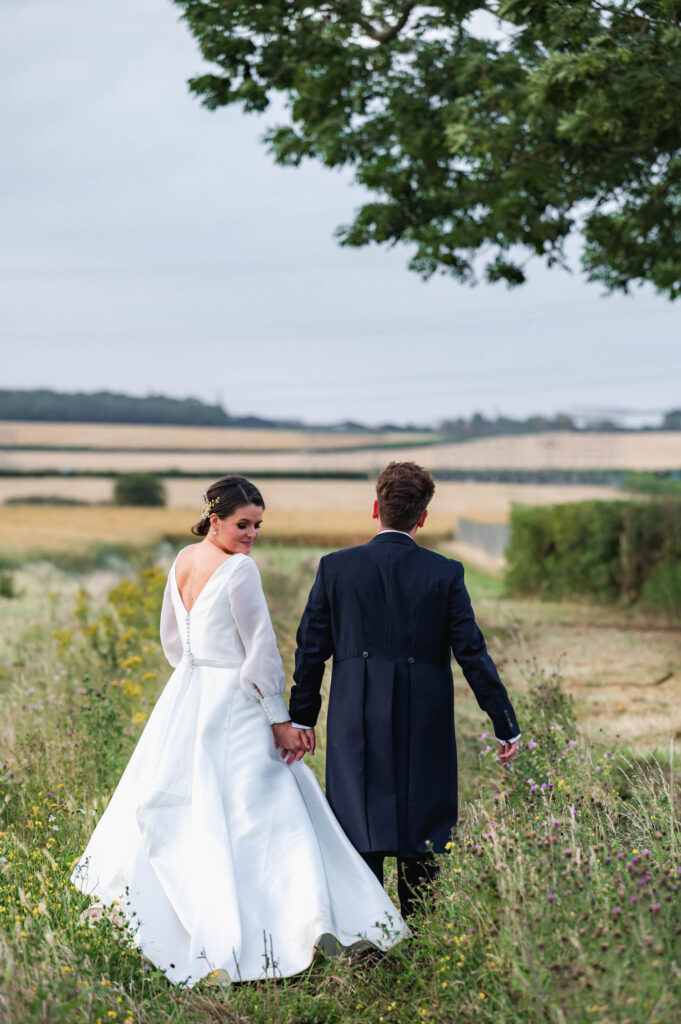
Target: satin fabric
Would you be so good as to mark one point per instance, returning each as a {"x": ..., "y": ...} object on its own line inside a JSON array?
[{"x": 223, "y": 857}]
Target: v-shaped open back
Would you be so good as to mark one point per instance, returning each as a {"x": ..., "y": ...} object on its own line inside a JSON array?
[{"x": 215, "y": 571}]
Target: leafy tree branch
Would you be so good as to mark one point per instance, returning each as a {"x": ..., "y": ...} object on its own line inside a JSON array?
[{"x": 477, "y": 152}]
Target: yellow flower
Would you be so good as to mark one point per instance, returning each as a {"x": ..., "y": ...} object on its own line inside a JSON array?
[
  {"x": 449, "y": 845},
  {"x": 147, "y": 676},
  {"x": 131, "y": 689},
  {"x": 139, "y": 718},
  {"x": 132, "y": 661}
]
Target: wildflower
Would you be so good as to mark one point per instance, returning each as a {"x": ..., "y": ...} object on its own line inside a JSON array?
[
  {"x": 139, "y": 717},
  {"x": 132, "y": 661},
  {"x": 654, "y": 908},
  {"x": 551, "y": 896}
]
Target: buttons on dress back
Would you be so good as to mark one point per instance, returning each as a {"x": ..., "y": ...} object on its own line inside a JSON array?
[{"x": 190, "y": 656}]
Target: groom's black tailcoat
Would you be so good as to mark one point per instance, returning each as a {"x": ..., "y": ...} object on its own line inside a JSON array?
[{"x": 390, "y": 612}]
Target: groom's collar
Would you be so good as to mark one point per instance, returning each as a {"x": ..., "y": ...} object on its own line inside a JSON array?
[{"x": 392, "y": 536}]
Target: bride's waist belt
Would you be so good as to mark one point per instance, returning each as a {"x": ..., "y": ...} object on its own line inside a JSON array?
[{"x": 209, "y": 662}]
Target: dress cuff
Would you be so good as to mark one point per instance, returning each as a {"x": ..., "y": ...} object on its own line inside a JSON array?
[{"x": 275, "y": 709}]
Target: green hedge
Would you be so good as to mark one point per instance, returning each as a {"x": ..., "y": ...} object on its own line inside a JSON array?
[
  {"x": 652, "y": 483},
  {"x": 139, "y": 489},
  {"x": 629, "y": 551}
]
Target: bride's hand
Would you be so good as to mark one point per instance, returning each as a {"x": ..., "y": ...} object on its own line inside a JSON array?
[{"x": 291, "y": 741}]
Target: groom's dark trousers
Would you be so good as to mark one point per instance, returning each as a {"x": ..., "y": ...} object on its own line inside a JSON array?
[{"x": 390, "y": 613}]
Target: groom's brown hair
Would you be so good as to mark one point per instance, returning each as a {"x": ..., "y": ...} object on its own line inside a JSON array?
[{"x": 403, "y": 491}]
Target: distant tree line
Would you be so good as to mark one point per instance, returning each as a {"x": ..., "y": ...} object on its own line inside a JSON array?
[
  {"x": 109, "y": 407},
  {"x": 480, "y": 426}
]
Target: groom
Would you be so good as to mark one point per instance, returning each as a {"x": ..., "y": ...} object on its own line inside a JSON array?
[{"x": 390, "y": 613}]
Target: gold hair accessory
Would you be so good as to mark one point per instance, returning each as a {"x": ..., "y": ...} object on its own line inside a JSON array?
[{"x": 208, "y": 504}]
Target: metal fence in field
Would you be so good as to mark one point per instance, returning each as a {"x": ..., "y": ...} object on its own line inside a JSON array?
[{"x": 490, "y": 537}]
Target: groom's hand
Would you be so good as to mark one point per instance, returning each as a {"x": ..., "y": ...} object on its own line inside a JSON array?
[
  {"x": 508, "y": 751},
  {"x": 309, "y": 739},
  {"x": 291, "y": 741}
]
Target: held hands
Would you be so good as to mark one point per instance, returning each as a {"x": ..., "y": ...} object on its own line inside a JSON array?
[
  {"x": 507, "y": 751},
  {"x": 293, "y": 743}
]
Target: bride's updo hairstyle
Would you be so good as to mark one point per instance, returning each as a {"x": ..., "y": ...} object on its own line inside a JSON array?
[{"x": 223, "y": 498}]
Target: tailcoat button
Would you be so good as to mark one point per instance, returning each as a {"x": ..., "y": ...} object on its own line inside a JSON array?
[
  {"x": 410, "y": 660},
  {"x": 365, "y": 654}
]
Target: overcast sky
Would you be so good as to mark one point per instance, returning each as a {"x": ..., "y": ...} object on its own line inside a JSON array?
[{"x": 147, "y": 244}]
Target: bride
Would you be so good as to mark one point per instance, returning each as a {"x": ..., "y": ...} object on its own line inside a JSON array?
[{"x": 218, "y": 843}]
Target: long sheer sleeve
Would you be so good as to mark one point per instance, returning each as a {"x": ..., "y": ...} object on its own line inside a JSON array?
[
  {"x": 262, "y": 673},
  {"x": 171, "y": 640}
]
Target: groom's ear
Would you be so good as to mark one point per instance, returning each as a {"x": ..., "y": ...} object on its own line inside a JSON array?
[
  {"x": 423, "y": 518},
  {"x": 374, "y": 514}
]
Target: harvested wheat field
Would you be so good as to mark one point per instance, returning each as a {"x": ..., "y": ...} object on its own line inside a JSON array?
[
  {"x": 319, "y": 511},
  {"x": 622, "y": 665},
  {"x": 214, "y": 452},
  {"x": 183, "y": 438}
]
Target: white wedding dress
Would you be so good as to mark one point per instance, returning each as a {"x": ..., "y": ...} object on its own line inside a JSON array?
[{"x": 223, "y": 857}]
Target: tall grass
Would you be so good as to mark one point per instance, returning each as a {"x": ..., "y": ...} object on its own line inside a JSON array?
[{"x": 557, "y": 901}]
